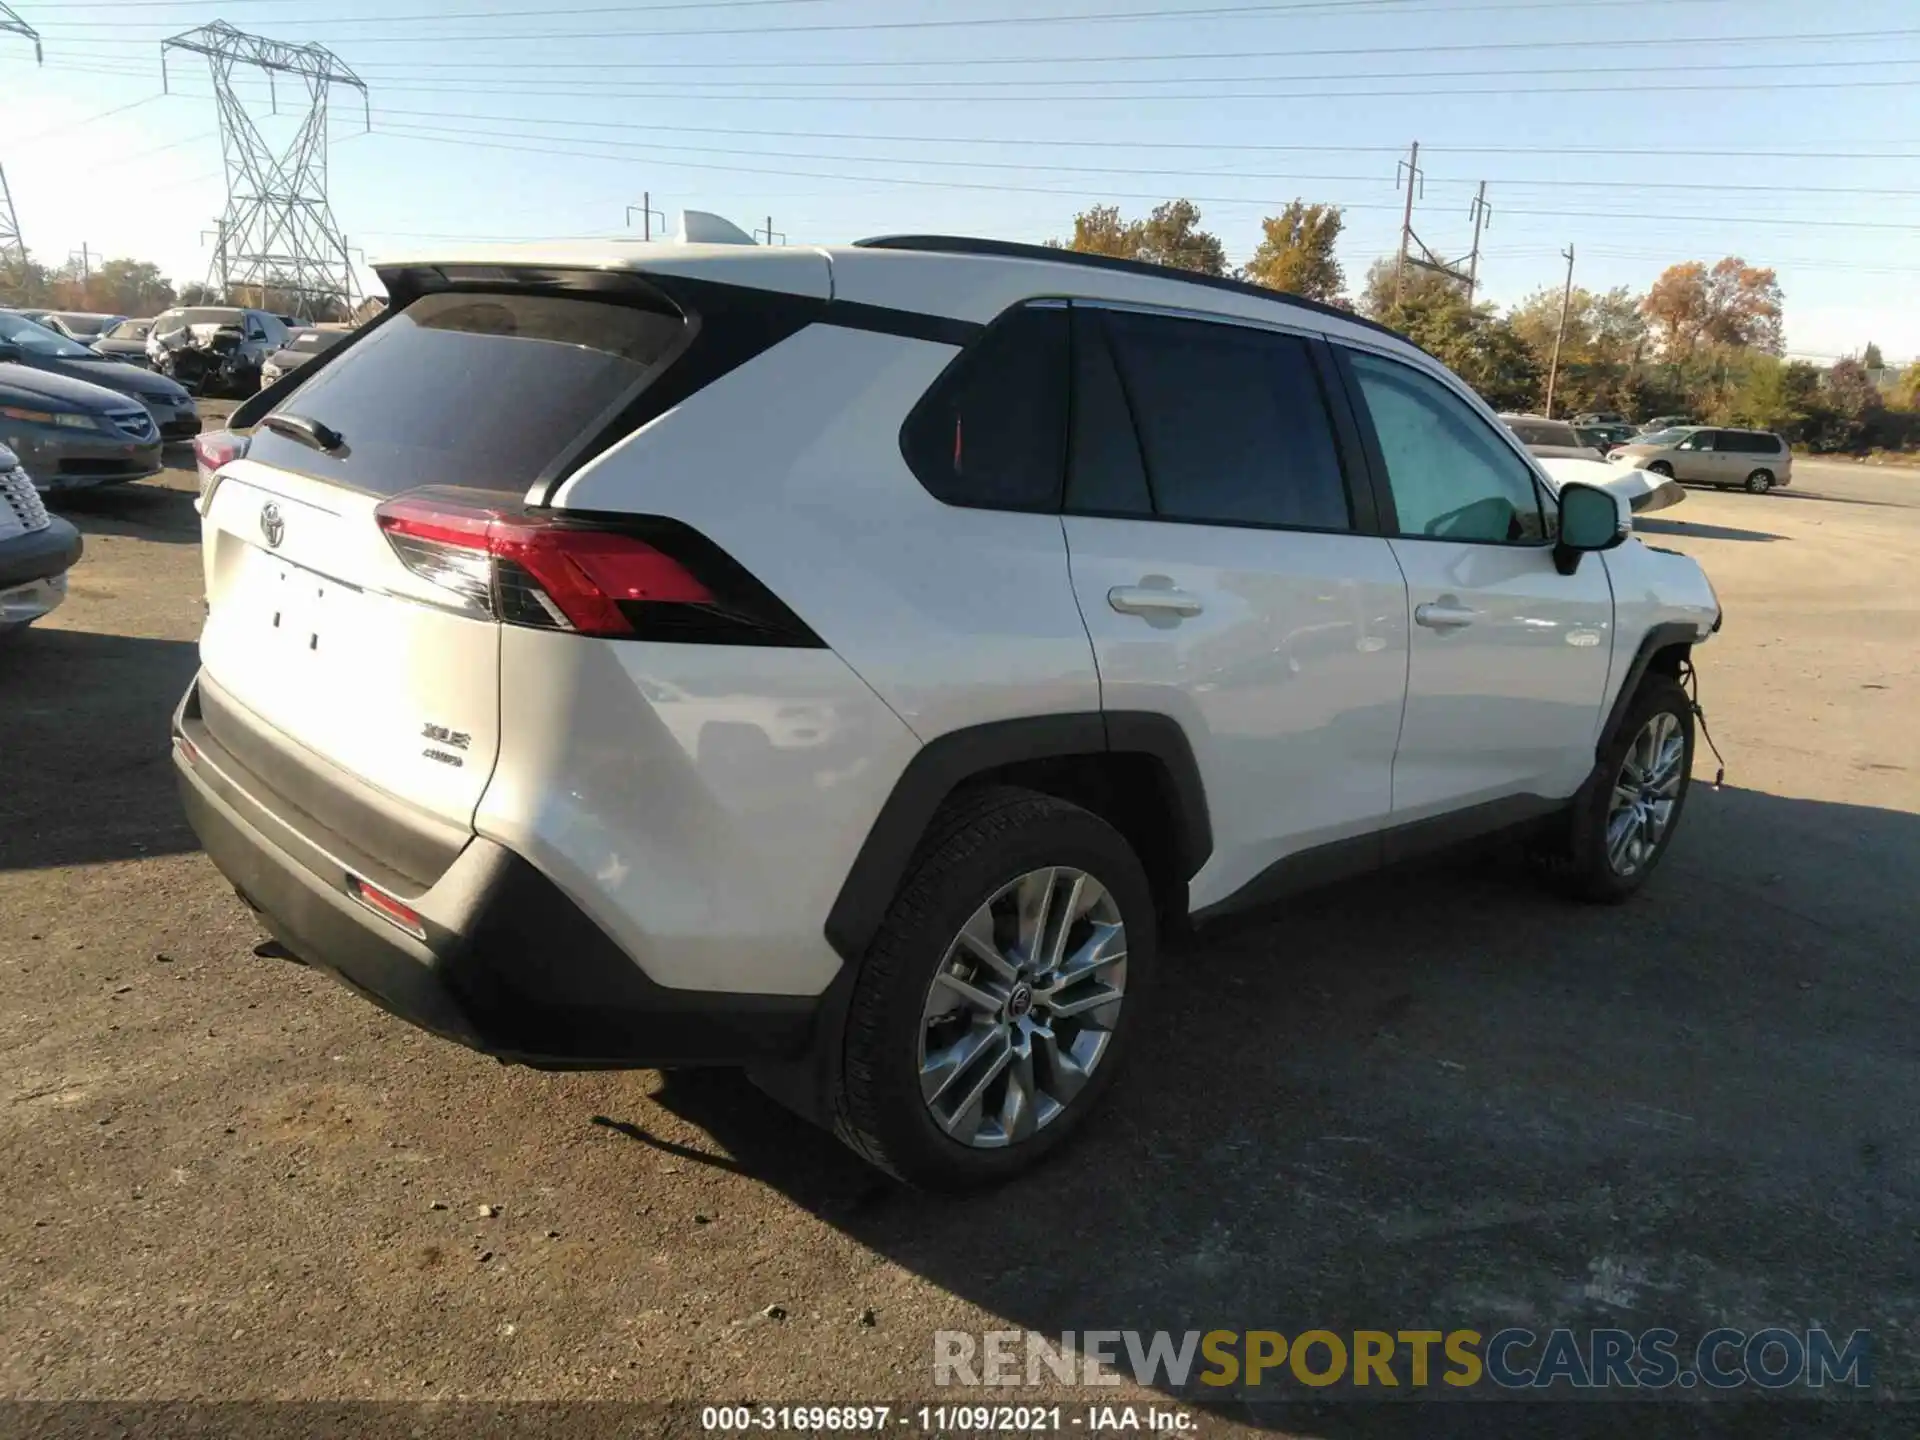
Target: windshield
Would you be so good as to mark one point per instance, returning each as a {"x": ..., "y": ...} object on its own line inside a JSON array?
[
  {"x": 130, "y": 330},
  {"x": 38, "y": 340},
  {"x": 203, "y": 315},
  {"x": 1665, "y": 437},
  {"x": 85, "y": 324}
]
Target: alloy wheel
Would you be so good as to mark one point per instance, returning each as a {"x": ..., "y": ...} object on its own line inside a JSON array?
[
  {"x": 1645, "y": 792},
  {"x": 1023, "y": 1007},
  {"x": 1759, "y": 482}
]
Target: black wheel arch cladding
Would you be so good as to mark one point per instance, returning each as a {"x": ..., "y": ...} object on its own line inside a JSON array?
[{"x": 953, "y": 760}]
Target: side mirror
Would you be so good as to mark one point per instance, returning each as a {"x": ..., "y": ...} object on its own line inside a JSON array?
[{"x": 1589, "y": 520}]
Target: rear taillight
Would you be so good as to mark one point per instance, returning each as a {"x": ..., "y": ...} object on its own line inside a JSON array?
[
  {"x": 636, "y": 578},
  {"x": 211, "y": 450},
  {"x": 388, "y": 906}
]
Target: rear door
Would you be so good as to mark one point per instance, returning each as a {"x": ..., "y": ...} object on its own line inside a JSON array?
[
  {"x": 313, "y": 623},
  {"x": 1221, "y": 562}
]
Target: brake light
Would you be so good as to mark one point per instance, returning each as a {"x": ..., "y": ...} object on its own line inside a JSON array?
[
  {"x": 211, "y": 450},
  {"x": 630, "y": 578}
]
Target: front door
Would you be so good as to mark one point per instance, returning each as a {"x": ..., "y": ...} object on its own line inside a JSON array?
[
  {"x": 1223, "y": 582},
  {"x": 1508, "y": 663},
  {"x": 1696, "y": 459}
]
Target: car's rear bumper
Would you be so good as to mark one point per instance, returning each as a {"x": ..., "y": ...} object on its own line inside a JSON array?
[{"x": 506, "y": 964}]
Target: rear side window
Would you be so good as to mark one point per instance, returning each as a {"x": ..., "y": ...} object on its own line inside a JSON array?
[
  {"x": 1233, "y": 428},
  {"x": 484, "y": 391},
  {"x": 991, "y": 432},
  {"x": 1750, "y": 442}
]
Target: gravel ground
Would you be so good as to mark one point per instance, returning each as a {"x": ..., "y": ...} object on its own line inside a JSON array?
[{"x": 1443, "y": 1100}]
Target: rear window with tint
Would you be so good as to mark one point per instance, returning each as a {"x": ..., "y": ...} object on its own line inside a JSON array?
[
  {"x": 484, "y": 391},
  {"x": 991, "y": 433},
  {"x": 1543, "y": 432}
]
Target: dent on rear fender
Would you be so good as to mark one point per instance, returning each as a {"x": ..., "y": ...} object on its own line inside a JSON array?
[{"x": 702, "y": 803}]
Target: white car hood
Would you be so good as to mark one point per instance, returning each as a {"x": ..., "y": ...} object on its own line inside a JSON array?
[{"x": 1639, "y": 491}]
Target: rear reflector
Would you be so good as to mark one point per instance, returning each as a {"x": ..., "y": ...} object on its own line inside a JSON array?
[
  {"x": 622, "y": 578},
  {"x": 388, "y": 907}
]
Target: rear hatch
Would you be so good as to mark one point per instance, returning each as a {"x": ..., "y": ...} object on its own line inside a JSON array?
[{"x": 368, "y": 648}]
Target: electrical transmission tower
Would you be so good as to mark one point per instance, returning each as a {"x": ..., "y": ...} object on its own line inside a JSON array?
[
  {"x": 1415, "y": 252},
  {"x": 13, "y": 250},
  {"x": 278, "y": 231}
]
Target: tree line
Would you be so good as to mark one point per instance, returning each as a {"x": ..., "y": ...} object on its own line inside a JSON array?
[
  {"x": 137, "y": 289},
  {"x": 1703, "y": 340}
]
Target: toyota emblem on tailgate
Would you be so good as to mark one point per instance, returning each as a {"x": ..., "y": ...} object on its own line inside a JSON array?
[{"x": 272, "y": 525}]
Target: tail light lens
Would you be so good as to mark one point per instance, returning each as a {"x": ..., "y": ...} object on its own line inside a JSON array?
[
  {"x": 632, "y": 578},
  {"x": 211, "y": 450}
]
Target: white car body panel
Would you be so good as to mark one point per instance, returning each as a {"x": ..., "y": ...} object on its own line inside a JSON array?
[
  {"x": 1503, "y": 704},
  {"x": 1288, "y": 683},
  {"x": 815, "y": 497},
  {"x": 702, "y": 803},
  {"x": 333, "y": 642}
]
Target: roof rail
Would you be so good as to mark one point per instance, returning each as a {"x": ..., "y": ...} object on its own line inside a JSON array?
[{"x": 1016, "y": 250}]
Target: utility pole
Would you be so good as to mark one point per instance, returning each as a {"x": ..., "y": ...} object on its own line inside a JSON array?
[
  {"x": 647, "y": 212},
  {"x": 13, "y": 250},
  {"x": 219, "y": 233},
  {"x": 85, "y": 257},
  {"x": 1482, "y": 214},
  {"x": 1410, "y": 168},
  {"x": 1566, "y": 300},
  {"x": 770, "y": 232}
]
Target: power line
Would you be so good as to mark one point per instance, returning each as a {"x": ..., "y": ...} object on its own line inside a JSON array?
[
  {"x": 1028, "y": 141},
  {"x": 1209, "y": 96},
  {"x": 1295, "y": 53},
  {"x": 1225, "y": 12},
  {"x": 434, "y": 135}
]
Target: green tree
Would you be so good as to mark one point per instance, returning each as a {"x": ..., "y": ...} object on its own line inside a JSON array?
[
  {"x": 1855, "y": 405},
  {"x": 1471, "y": 340},
  {"x": 1296, "y": 252},
  {"x": 1871, "y": 357},
  {"x": 195, "y": 292},
  {"x": 1171, "y": 235},
  {"x": 1906, "y": 390},
  {"x": 128, "y": 287}
]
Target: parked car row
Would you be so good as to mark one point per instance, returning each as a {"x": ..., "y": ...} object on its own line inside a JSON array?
[{"x": 1754, "y": 460}]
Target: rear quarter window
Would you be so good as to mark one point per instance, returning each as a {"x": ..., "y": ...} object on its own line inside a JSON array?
[
  {"x": 481, "y": 390},
  {"x": 991, "y": 432}
]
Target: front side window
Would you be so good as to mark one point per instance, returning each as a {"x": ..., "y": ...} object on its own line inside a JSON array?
[
  {"x": 991, "y": 433},
  {"x": 1451, "y": 476},
  {"x": 1232, "y": 425},
  {"x": 1698, "y": 440}
]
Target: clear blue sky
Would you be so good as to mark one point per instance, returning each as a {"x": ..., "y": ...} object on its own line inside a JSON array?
[{"x": 1590, "y": 120}]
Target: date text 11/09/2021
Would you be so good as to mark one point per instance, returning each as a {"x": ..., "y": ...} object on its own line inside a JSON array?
[{"x": 949, "y": 1419}]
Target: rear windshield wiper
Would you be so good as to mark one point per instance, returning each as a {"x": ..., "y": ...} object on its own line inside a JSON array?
[{"x": 307, "y": 432}]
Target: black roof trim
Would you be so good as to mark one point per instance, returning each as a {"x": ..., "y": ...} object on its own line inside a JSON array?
[{"x": 1016, "y": 250}]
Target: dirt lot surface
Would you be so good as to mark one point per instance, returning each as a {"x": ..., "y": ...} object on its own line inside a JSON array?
[{"x": 1445, "y": 1100}]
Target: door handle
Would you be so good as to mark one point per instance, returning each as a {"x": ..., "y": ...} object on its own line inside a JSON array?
[
  {"x": 1147, "y": 600},
  {"x": 1438, "y": 616}
]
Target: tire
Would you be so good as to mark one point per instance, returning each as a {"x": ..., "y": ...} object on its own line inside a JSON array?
[
  {"x": 1661, "y": 468},
  {"x": 984, "y": 852},
  {"x": 1759, "y": 482},
  {"x": 1579, "y": 857}
]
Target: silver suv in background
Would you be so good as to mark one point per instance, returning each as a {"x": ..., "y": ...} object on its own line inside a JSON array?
[{"x": 1755, "y": 460}]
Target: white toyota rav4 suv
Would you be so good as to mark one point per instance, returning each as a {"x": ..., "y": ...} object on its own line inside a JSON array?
[{"x": 845, "y": 663}]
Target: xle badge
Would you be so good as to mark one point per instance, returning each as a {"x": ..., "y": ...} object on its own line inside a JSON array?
[{"x": 455, "y": 739}]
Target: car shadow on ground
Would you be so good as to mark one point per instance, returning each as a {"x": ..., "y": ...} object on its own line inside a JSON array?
[
  {"x": 69, "y": 801},
  {"x": 142, "y": 511},
  {"x": 1445, "y": 1098},
  {"x": 1681, "y": 529}
]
